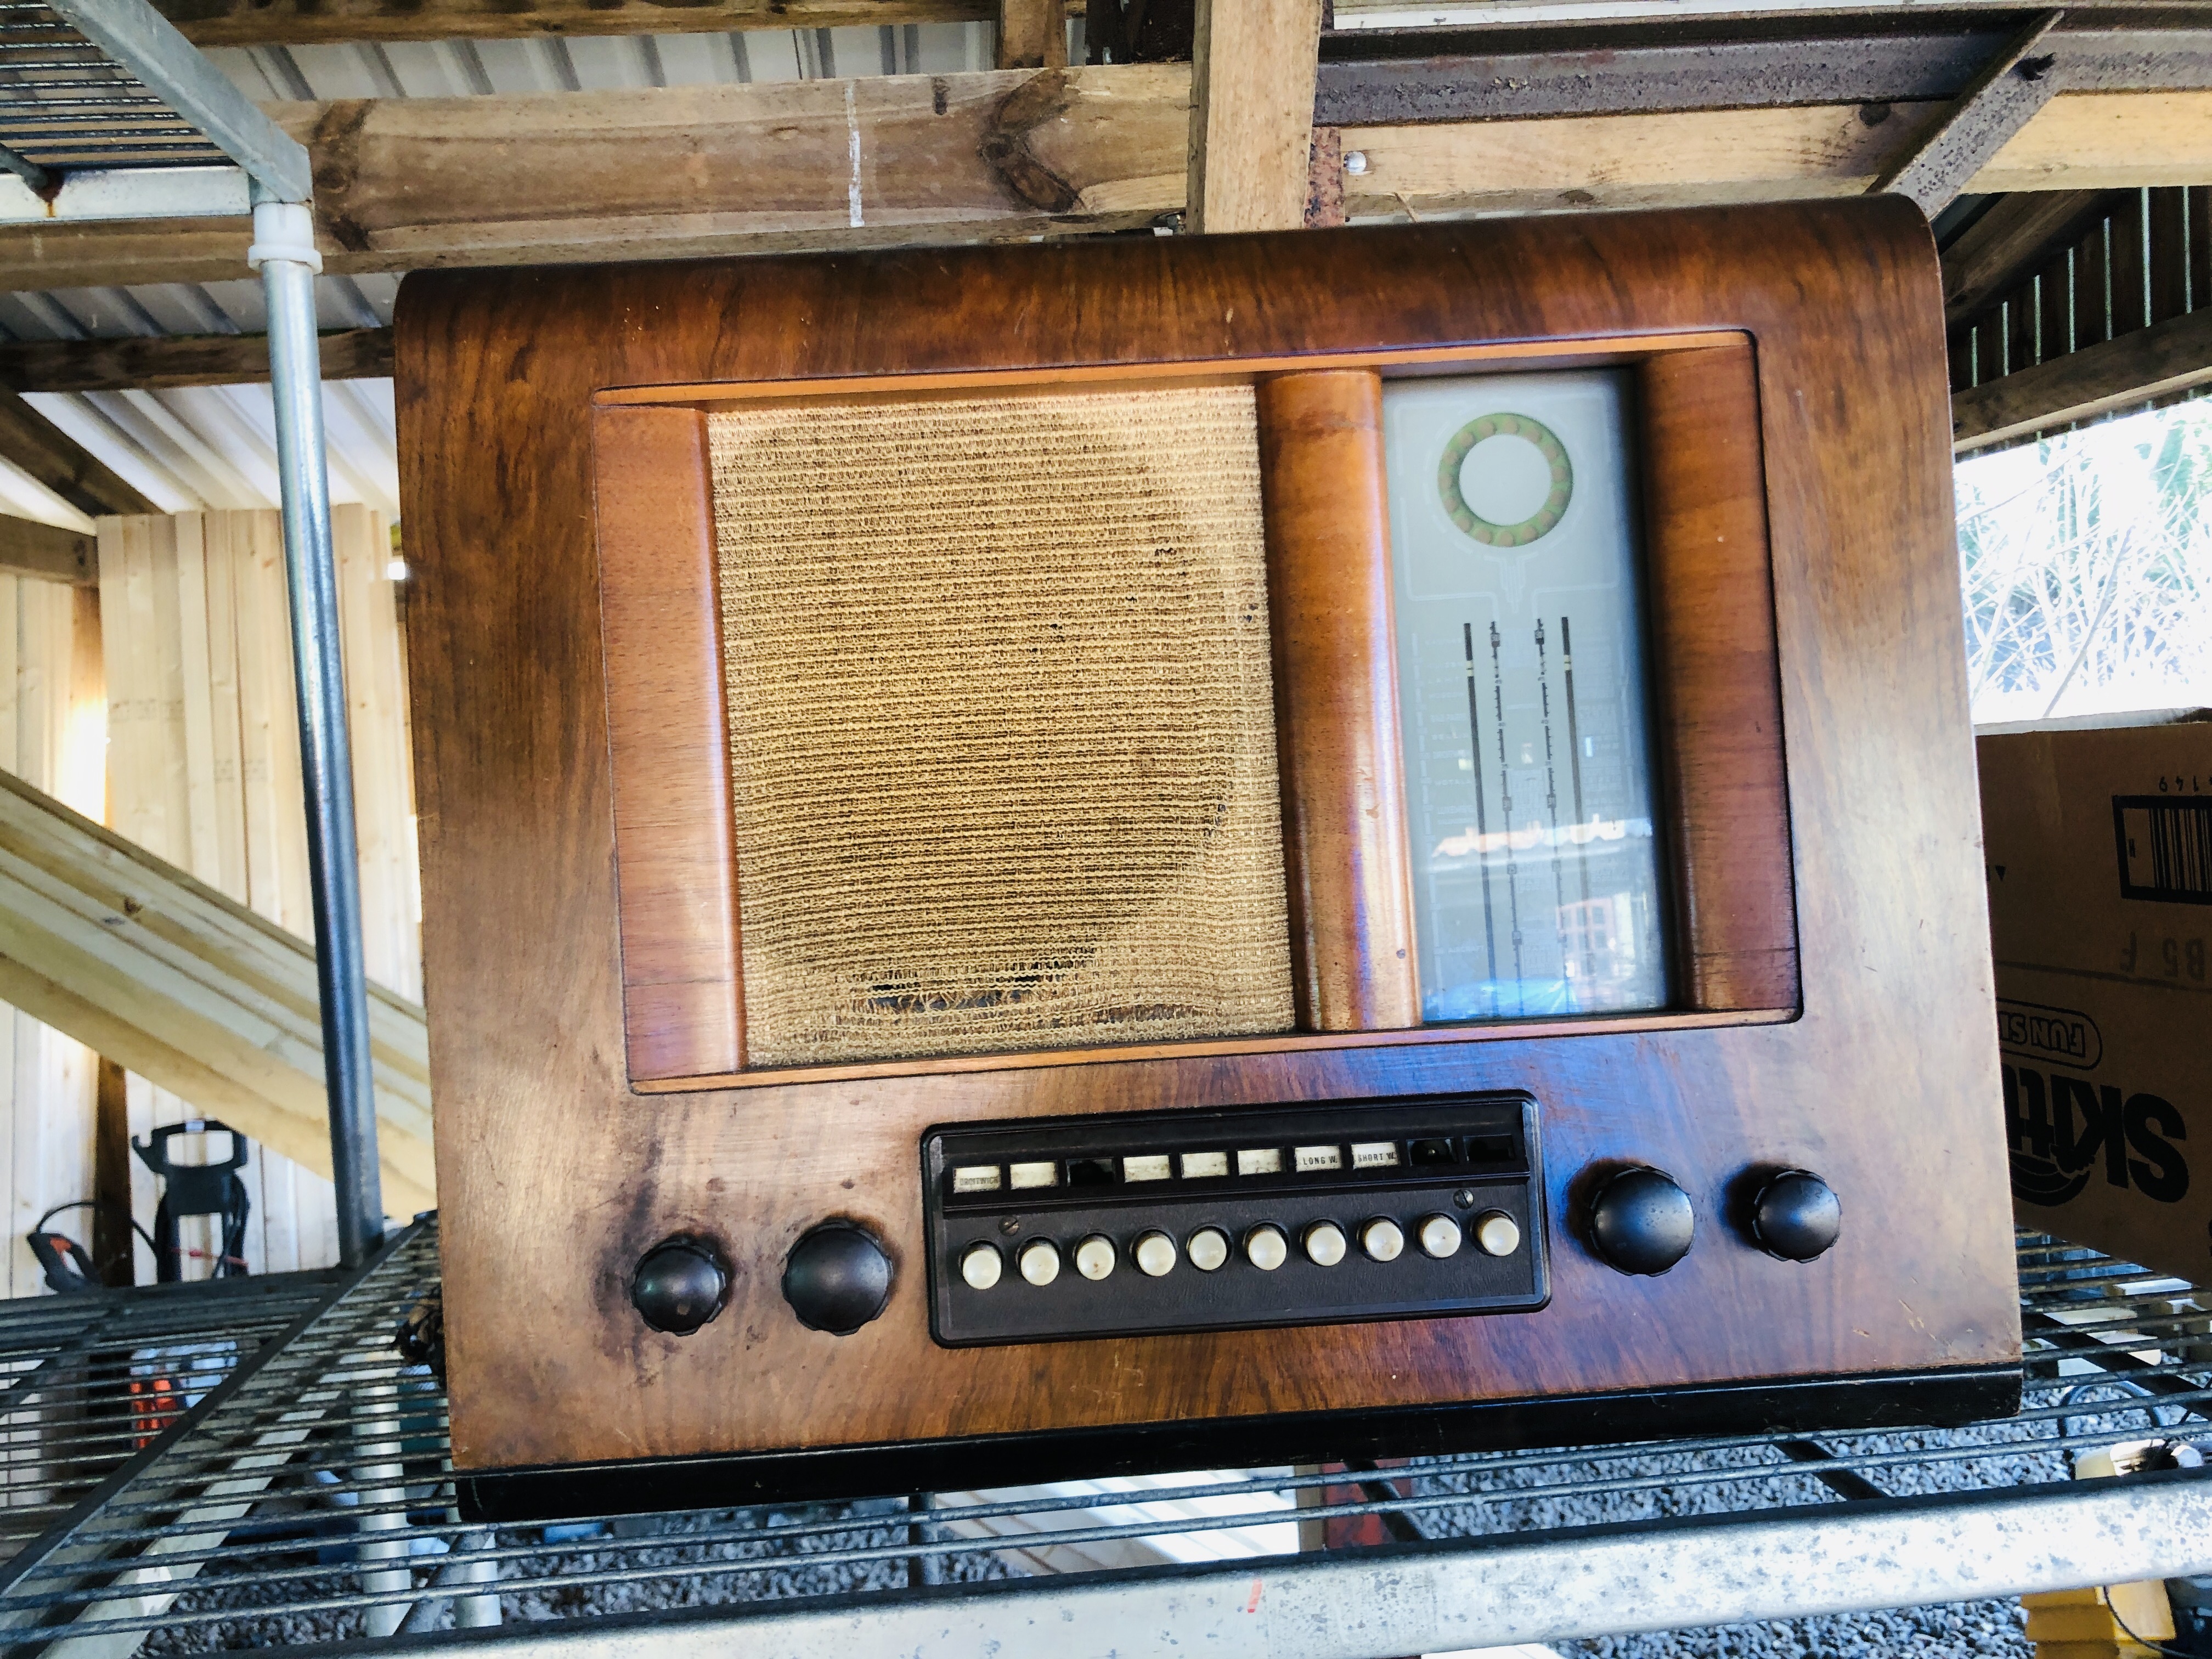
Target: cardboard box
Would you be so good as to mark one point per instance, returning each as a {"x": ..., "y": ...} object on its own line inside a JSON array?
[{"x": 2098, "y": 838}]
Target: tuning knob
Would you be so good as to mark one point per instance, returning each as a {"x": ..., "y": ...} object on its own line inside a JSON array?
[
  {"x": 836, "y": 1279},
  {"x": 1796, "y": 1216},
  {"x": 681, "y": 1283},
  {"x": 1641, "y": 1221}
]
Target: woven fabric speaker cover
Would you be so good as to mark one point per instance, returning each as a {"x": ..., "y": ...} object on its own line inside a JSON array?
[{"x": 1001, "y": 724}]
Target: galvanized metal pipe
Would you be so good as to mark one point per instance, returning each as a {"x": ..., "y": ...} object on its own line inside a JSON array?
[{"x": 285, "y": 250}]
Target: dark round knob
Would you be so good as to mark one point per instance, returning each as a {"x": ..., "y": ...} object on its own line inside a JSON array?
[
  {"x": 1641, "y": 1221},
  {"x": 1795, "y": 1217},
  {"x": 681, "y": 1284},
  {"x": 836, "y": 1279}
]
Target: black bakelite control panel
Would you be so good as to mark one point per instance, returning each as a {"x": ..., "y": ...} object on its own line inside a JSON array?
[{"x": 1191, "y": 1221}]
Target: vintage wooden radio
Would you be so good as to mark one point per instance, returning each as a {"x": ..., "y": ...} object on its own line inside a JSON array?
[{"x": 1173, "y": 851}]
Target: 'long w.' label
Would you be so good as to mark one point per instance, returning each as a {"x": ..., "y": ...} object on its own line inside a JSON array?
[{"x": 2166, "y": 849}]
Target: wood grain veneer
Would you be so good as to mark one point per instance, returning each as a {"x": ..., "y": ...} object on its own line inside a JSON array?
[
  {"x": 1717, "y": 690},
  {"x": 1346, "y": 856},
  {"x": 683, "y": 1006},
  {"x": 555, "y": 1176}
]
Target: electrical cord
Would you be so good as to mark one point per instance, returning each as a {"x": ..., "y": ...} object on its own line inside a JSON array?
[
  {"x": 229, "y": 1260},
  {"x": 2144, "y": 1640},
  {"x": 232, "y": 1261},
  {"x": 92, "y": 1203}
]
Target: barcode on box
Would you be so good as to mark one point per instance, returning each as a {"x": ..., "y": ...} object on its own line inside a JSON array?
[{"x": 2166, "y": 849}]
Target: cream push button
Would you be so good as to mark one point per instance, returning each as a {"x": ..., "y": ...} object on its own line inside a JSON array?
[
  {"x": 1094, "y": 1257},
  {"x": 1288, "y": 1214},
  {"x": 1039, "y": 1262},
  {"x": 1381, "y": 1240},
  {"x": 1207, "y": 1248},
  {"x": 981, "y": 1266},
  {"x": 1266, "y": 1248},
  {"x": 1496, "y": 1233},
  {"x": 1440, "y": 1237},
  {"x": 1324, "y": 1243},
  {"x": 1155, "y": 1255}
]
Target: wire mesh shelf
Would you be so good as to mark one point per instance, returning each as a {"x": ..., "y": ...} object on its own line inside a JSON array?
[
  {"x": 255, "y": 1462},
  {"x": 66, "y": 106}
]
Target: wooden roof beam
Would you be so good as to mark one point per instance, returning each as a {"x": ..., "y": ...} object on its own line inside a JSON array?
[
  {"x": 2012, "y": 239},
  {"x": 1032, "y": 34},
  {"x": 2081, "y": 141},
  {"x": 1251, "y": 116},
  {"x": 57, "y": 460},
  {"x": 567, "y": 177},
  {"x": 167, "y": 362},
  {"x": 2174, "y": 356},
  {"x": 48, "y": 553}
]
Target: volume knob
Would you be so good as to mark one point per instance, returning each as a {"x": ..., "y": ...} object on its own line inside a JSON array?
[
  {"x": 680, "y": 1284},
  {"x": 1796, "y": 1216},
  {"x": 1642, "y": 1221},
  {"x": 836, "y": 1279}
]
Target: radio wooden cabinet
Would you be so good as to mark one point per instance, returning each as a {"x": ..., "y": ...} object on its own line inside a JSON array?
[{"x": 1165, "y": 851}]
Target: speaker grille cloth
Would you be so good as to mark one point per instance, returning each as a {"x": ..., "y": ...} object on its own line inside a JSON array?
[{"x": 1001, "y": 723}]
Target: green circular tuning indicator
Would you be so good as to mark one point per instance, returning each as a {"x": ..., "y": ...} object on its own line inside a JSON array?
[{"x": 1537, "y": 523}]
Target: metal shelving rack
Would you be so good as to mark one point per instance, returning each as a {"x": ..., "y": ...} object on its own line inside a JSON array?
[
  {"x": 303, "y": 1497},
  {"x": 255, "y": 1462},
  {"x": 107, "y": 112}
]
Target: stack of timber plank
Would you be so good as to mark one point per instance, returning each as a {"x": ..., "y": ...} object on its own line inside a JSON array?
[{"x": 203, "y": 773}]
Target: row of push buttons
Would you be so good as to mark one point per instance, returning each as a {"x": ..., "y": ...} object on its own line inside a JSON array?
[{"x": 1265, "y": 1247}]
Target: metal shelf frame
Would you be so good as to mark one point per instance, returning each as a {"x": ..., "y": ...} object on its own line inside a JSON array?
[{"x": 310, "y": 1481}]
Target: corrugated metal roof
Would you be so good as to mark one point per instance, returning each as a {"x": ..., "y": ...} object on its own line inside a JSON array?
[{"x": 214, "y": 446}]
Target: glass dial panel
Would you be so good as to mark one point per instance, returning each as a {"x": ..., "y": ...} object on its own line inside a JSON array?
[{"x": 1523, "y": 691}]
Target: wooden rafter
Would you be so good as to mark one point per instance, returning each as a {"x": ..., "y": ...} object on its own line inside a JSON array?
[
  {"x": 1251, "y": 118},
  {"x": 2080, "y": 141},
  {"x": 2174, "y": 356},
  {"x": 160, "y": 363},
  {"x": 567, "y": 177},
  {"x": 57, "y": 460},
  {"x": 162, "y": 973},
  {"x": 2011, "y": 238},
  {"x": 1032, "y": 34},
  {"x": 48, "y": 553}
]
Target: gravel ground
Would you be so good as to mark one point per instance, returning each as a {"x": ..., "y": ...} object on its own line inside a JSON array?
[{"x": 1948, "y": 1632}]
